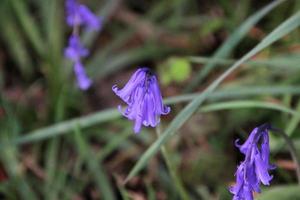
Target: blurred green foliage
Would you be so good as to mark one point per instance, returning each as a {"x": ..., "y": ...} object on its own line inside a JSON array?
[
  {"x": 189, "y": 43},
  {"x": 175, "y": 70}
]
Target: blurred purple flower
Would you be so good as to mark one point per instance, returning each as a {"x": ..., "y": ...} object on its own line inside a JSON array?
[
  {"x": 74, "y": 52},
  {"x": 143, "y": 98},
  {"x": 80, "y": 15},
  {"x": 254, "y": 169},
  {"x": 83, "y": 80},
  {"x": 75, "y": 49}
]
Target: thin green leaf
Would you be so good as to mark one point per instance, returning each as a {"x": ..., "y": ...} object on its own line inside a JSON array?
[
  {"x": 16, "y": 45},
  {"x": 51, "y": 167},
  {"x": 285, "y": 192},
  {"x": 111, "y": 114},
  {"x": 9, "y": 157},
  {"x": 227, "y": 47},
  {"x": 284, "y": 62},
  {"x": 247, "y": 104},
  {"x": 287, "y": 26},
  {"x": 95, "y": 168},
  {"x": 63, "y": 127},
  {"x": 119, "y": 61},
  {"x": 52, "y": 10},
  {"x": 28, "y": 24},
  {"x": 238, "y": 92},
  {"x": 114, "y": 142}
]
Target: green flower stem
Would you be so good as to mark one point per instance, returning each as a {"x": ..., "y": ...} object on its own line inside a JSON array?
[
  {"x": 171, "y": 167},
  {"x": 292, "y": 150}
]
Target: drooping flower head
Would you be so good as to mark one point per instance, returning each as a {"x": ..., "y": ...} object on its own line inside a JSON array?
[
  {"x": 79, "y": 15},
  {"x": 75, "y": 50},
  {"x": 254, "y": 170},
  {"x": 83, "y": 81},
  {"x": 143, "y": 98}
]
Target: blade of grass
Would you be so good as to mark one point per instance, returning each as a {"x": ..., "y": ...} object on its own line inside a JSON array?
[
  {"x": 28, "y": 24},
  {"x": 5, "y": 190},
  {"x": 125, "y": 195},
  {"x": 237, "y": 93},
  {"x": 227, "y": 47},
  {"x": 15, "y": 44},
  {"x": 12, "y": 167},
  {"x": 283, "y": 29},
  {"x": 281, "y": 62},
  {"x": 113, "y": 144},
  {"x": 94, "y": 167},
  {"x": 276, "y": 145},
  {"x": 126, "y": 58},
  {"x": 53, "y": 21},
  {"x": 50, "y": 191},
  {"x": 172, "y": 170},
  {"x": 247, "y": 104},
  {"x": 111, "y": 114}
]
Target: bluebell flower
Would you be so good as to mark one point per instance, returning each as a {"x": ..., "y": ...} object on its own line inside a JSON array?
[
  {"x": 79, "y": 15},
  {"x": 254, "y": 170},
  {"x": 83, "y": 81},
  {"x": 75, "y": 50},
  {"x": 143, "y": 98}
]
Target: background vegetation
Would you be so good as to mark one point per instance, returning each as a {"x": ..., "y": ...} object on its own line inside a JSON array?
[{"x": 58, "y": 142}]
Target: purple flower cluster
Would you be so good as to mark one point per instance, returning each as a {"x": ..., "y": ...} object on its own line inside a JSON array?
[
  {"x": 254, "y": 169},
  {"x": 79, "y": 15},
  {"x": 143, "y": 98}
]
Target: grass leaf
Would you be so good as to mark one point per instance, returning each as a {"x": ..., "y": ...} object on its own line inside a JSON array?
[
  {"x": 227, "y": 47},
  {"x": 286, "y": 27}
]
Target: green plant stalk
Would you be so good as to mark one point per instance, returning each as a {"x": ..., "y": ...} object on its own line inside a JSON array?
[
  {"x": 289, "y": 130},
  {"x": 172, "y": 169},
  {"x": 292, "y": 150}
]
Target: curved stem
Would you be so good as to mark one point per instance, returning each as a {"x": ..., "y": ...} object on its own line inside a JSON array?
[
  {"x": 177, "y": 181},
  {"x": 292, "y": 149}
]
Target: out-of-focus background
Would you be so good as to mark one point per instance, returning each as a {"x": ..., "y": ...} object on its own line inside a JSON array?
[{"x": 58, "y": 142}]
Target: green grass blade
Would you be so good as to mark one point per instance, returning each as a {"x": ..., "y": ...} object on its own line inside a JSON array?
[
  {"x": 28, "y": 24},
  {"x": 111, "y": 114},
  {"x": 238, "y": 92},
  {"x": 227, "y": 47},
  {"x": 281, "y": 192},
  {"x": 248, "y": 104},
  {"x": 54, "y": 29},
  {"x": 63, "y": 127},
  {"x": 286, "y": 27},
  {"x": 119, "y": 61},
  {"x": 51, "y": 166},
  {"x": 16, "y": 45},
  {"x": 114, "y": 143},
  {"x": 279, "y": 62},
  {"x": 9, "y": 157},
  {"x": 172, "y": 168},
  {"x": 277, "y": 144},
  {"x": 94, "y": 167}
]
